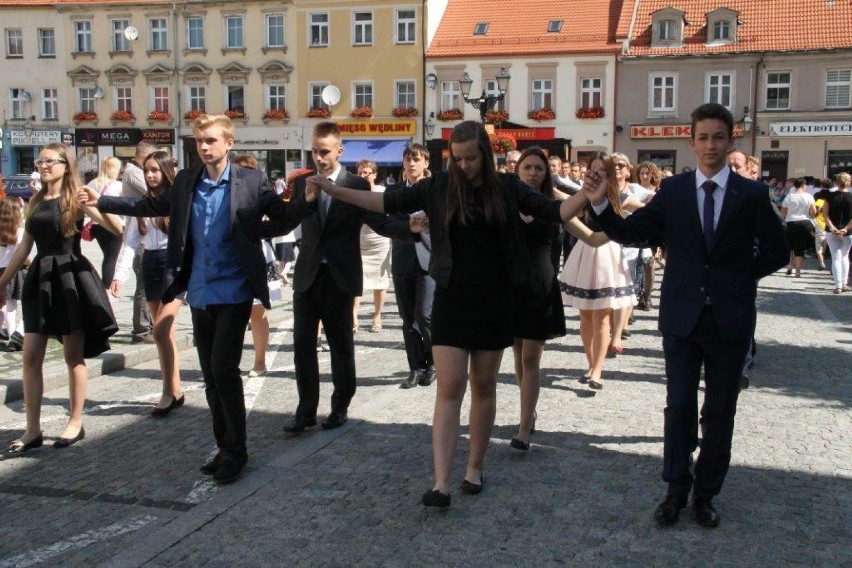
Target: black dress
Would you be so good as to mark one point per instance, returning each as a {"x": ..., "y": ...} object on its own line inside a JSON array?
[
  {"x": 476, "y": 311},
  {"x": 540, "y": 313},
  {"x": 62, "y": 291}
]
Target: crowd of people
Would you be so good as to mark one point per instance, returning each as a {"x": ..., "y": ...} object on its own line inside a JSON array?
[{"x": 481, "y": 260}]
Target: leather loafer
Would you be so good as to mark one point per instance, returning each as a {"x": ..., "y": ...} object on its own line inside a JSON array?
[
  {"x": 427, "y": 375},
  {"x": 163, "y": 412},
  {"x": 335, "y": 420},
  {"x": 299, "y": 424},
  {"x": 435, "y": 498},
  {"x": 17, "y": 448},
  {"x": 705, "y": 514},
  {"x": 65, "y": 442},
  {"x": 229, "y": 470},
  {"x": 210, "y": 467},
  {"x": 473, "y": 488},
  {"x": 410, "y": 381},
  {"x": 668, "y": 511}
]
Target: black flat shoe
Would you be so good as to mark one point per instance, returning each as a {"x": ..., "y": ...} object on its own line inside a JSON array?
[
  {"x": 435, "y": 498},
  {"x": 595, "y": 384},
  {"x": 705, "y": 514},
  {"x": 335, "y": 420},
  {"x": 65, "y": 442},
  {"x": 17, "y": 448},
  {"x": 163, "y": 412},
  {"x": 473, "y": 488},
  {"x": 519, "y": 445},
  {"x": 299, "y": 424},
  {"x": 669, "y": 510}
]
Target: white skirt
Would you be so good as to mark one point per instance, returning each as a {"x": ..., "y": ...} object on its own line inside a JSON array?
[
  {"x": 596, "y": 278},
  {"x": 375, "y": 259}
]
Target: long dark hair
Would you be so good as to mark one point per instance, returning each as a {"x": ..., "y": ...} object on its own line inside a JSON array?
[
  {"x": 70, "y": 210},
  {"x": 536, "y": 152},
  {"x": 459, "y": 187},
  {"x": 167, "y": 166}
]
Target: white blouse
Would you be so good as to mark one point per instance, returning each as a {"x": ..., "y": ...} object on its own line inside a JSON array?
[{"x": 153, "y": 239}]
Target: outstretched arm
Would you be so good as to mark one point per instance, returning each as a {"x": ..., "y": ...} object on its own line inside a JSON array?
[
  {"x": 370, "y": 200},
  {"x": 585, "y": 234}
]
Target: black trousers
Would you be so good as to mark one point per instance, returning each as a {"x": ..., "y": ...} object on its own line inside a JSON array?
[
  {"x": 323, "y": 301},
  {"x": 110, "y": 244},
  {"x": 722, "y": 361},
  {"x": 414, "y": 294},
  {"x": 218, "y": 331},
  {"x": 142, "y": 322}
]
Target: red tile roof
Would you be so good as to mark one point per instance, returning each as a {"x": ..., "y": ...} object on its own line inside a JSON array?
[
  {"x": 519, "y": 27},
  {"x": 765, "y": 25}
]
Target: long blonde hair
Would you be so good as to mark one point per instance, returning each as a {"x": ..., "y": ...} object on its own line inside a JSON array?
[
  {"x": 69, "y": 209},
  {"x": 108, "y": 172}
]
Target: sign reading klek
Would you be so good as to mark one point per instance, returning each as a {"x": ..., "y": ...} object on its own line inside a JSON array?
[{"x": 670, "y": 131}]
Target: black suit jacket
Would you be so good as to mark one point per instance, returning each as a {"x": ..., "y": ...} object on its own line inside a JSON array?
[
  {"x": 251, "y": 199},
  {"x": 338, "y": 239},
  {"x": 727, "y": 274}
]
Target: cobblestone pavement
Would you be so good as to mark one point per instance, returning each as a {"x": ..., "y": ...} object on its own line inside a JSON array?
[{"x": 130, "y": 494}]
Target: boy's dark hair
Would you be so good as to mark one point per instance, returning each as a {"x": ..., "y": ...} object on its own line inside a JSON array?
[{"x": 713, "y": 111}]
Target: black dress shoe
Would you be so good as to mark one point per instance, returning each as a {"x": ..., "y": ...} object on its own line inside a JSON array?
[
  {"x": 435, "y": 498},
  {"x": 744, "y": 382},
  {"x": 210, "y": 467},
  {"x": 17, "y": 448},
  {"x": 65, "y": 442},
  {"x": 163, "y": 412},
  {"x": 519, "y": 445},
  {"x": 299, "y": 424},
  {"x": 335, "y": 420},
  {"x": 410, "y": 381},
  {"x": 473, "y": 488},
  {"x": 229, "y": 470},
  {"x": 668, "y": 511},
  {"x": 705, "y": 514},
  {"x": 427, "y": 376}
]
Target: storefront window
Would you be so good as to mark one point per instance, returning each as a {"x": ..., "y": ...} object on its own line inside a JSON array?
[
  {"x": 839, "y": 161},
  {"x": 665, "y": 159}
]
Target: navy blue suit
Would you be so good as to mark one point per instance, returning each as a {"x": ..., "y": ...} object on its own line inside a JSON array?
[{"x": 707, "y": 312}]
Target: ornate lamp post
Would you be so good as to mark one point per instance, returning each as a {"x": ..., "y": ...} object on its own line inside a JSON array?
[{"x": 485, "y": 102}]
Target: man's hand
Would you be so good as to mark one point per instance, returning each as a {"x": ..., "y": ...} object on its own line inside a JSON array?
[
  {"x": 317, "y": 183},
  {"x": 115, "y": 288},
  {"x": 594, "y": 187},
  {"x": 87, "y": 196},
  {"x": 418, "y": 222}
]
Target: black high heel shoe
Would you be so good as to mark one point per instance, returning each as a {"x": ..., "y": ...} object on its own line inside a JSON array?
[
  {"x": 435, "y": 498},
  {"x": 65, "y": 442},
  {"x": 17, "y": 448},
  {"x": 163, "y": 412}
]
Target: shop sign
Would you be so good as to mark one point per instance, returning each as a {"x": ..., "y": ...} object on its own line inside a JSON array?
[
  {"x": 159, "y": 136},
  {"x": 810, "y": 128},
  {"x": 390, "y": 127},
  {"x": 670, "y": 131},
  {"x": 36, "y": 138},
  {"x": 123, "y": 136},
  {"x": 516, "y": 133}
]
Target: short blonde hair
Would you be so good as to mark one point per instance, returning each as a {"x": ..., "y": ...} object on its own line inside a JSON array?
[
  {"x": 205, "y": 121},
  {"x": 843, "y": 179}
]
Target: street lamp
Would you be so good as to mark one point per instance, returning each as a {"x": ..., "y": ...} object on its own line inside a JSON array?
[
  {"x": 430, "y": 125},
  {"x": 746, "y": 122},
  {"x": 485, "y": 102}
]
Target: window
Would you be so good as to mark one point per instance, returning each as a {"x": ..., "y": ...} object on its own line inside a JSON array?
[
  {"x": 46, "y": 42},
  {"x": 195, "y": 32},
  {"x": 83, "y": 36},
  {"x": 50, "y": 104},
  {"x": 405, "y": 23},
  {"x": 198, "y": 98},
  {"x": 450, "y": 95},
  {"x": 778, "y": 90},
  {"x": 363, "y": 93},
  {"x": 663, "y": 92},
  {"x": 14, "y": 42},
  {"x": 491, "y": 88},
  {"x": 236, "y": 97},
  {"x": 542, "y": 94},
  {"x": 554, "y": 26},
  {"x": 160, "y": 99},
  {"x": 275, "y": 30},
  {"x": 405, "y": 94},
  {"x": 276, "y": 97},
  {"x": 838, "y": 84},
  {"x": 86, "y": 99},
  {"x": 666, "y": 30},
  {"x": 591, "y": 92},
  {"x": 720, "y": 89},
  {"x": 234, "y": 32},
  {"x": 159, "y": 34},
  {"x": 721, "y": 30},
  {"x": 319, "y": 30},
  {"x": 18, "y": 100},
  {"x": 119, "y": 42},
  {"x": 481, "y": 28},
  {"x": 124, "y": 99},
  {"x": 315, "y": 95},
  {"x": 363, "y": 28}
]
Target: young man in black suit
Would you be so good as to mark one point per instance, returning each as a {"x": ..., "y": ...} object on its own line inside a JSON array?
[
  {"x": 709, "y": 220},
  {"x": 327, "y": 277},
  {"x": 214, "y": 255}
]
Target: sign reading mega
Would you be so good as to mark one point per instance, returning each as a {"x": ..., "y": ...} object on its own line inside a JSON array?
[
  {"x": 670, "y": 131},
  {"x": 810, "y": 129},
  {"x": 122, "y": 136},
  {"x": 377, "y": 127}
]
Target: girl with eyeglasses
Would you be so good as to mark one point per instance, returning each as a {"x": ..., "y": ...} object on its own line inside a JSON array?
[{"x": 63, "y": 296}]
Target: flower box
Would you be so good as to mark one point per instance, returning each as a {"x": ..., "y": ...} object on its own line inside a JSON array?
[
  {"x": 276, "y": 114},
  {"x": 496, "y": 116},
  {"x": 122, "y": 116},
  {"x": 235, "y": 113},
  {"x": 590, "y": 112},
  {"x": 159, "y": 115},
  {"x": 81, "y": 116},
  {"x": 541, "y": 114},
  {"x": 450, "y": 114},
  {"x": 192, "y": 114},
  {"x": 404, "y": 112},
  {"x": 362, "y": 112},
  {"x": 315, "y": 112},
  {"x": 502, "y": 143}
]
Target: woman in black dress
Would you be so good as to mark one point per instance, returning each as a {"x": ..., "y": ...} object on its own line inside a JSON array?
[
  {"x": 63, "y": 295},
  {"x": 478, "y": 256}
]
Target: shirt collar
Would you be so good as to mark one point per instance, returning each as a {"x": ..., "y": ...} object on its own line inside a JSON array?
[
  {"x": 721, "y": 177},
  {"x": 226, "y": 176},
  {"x": 336, "y": 173}
]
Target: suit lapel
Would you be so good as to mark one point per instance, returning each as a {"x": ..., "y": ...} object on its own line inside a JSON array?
[
  {"x": 236, "y": 188},
  {"x": 692, "y": 206},
  {"x": 187, "y": 202},
  {"x": 729, "y": 204}
]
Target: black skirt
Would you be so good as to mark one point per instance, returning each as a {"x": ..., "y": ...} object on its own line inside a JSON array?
[
  {"x": 471, "y": 324},
  {"x": 153, "y": 270}
]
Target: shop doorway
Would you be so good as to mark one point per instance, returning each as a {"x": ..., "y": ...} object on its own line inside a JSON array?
[{"x": 773, "y": 164}]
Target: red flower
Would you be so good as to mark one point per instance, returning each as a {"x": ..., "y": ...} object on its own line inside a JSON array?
[
  {"x": 276, "y": 114},
  {"x": 450, "y": 114},
  {"x": 319, "y": 112},
  {"x": 122, "y": 115},
  {"x": 501, "y": 143},
  {"x": 590, "y": 112},
  {"x": 362, "y": 112},
  {"x": 404, "y": 112},
  {"x": 193, "y": 114},
  {"x": 85, "y": 116},
  {"x": 541, "y": 114},
  {"x": 497, "y": 116},
  {"x": 159, "y": 115},
  {"x": 291, "y": 180},
  {"x": 235, "y": 113}
]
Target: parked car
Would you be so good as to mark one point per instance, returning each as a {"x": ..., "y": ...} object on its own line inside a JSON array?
[{"x": 18, "y": 186}]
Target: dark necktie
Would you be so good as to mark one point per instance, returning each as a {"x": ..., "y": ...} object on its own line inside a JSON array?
[
  {"x": 325, "y": 202},
  {"x": 709, "y": 187}
]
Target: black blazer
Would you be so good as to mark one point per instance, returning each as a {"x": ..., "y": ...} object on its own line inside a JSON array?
[
  {"x": 251, "y": 199},
  {"x": 727, "y": 274},
  {"x": 339, "y": 237}
]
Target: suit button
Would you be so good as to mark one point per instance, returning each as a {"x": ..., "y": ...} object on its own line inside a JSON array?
[
  {"x": 701, "y": 289},
  {"x": 706, "y": 266}
]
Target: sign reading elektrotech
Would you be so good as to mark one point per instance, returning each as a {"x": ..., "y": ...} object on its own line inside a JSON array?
[{"x": 810, "y": 129}]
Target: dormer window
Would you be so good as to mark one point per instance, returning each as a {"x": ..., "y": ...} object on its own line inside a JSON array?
[
  {"x": 667, "y": 27},
  {"x": 722, "y": 27},
  {"x": 554, "y": 26},
  {"x": 722, "y": 30},
  {"x": 481, "y": 28},
  {"x": 666, "y": 30}
]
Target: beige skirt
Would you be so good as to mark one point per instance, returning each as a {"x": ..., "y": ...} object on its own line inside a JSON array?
[{"x": 375, "y": 259}]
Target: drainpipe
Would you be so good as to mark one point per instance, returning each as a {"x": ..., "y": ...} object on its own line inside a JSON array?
[
  {"x": 178, "y": 114},
  {"x": 756, "y": 85}
]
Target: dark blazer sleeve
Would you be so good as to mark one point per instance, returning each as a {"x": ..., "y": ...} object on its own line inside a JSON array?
[
  {"x": 401, "y": 199},
  {"x": 773, "y": 251},
  {"x": 159, "y": 206},
  {"x": 532, "y": 202},
  {"x": 644, "y": 224}
]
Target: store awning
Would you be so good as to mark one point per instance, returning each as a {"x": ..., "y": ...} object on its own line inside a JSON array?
[{"x": 383, "y": 152}]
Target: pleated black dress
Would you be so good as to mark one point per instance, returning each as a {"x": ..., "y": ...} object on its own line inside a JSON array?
[{"x": 62, "y": 291}]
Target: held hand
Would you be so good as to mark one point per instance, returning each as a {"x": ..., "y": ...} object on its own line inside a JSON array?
[
  {"x": 87, "y": 196},
  {"x": 115, "y": 288},
  {"x": 418, "y": 222},
  {"x": 594, "y": 188},
  {"x": 527, "y": 218},
  {"x": 598, "y": 238}
]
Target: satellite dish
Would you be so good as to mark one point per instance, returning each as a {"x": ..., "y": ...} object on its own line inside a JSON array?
[
  {"x": 99, "y": 92},
  {"x": 131, "y": 33},
  {"x": 330, "y": 95},
  {"x": 27, "y": 96}
]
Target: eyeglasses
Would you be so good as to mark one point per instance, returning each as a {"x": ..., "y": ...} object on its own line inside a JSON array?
[
  {"x": 622, "y": 166},
  {"x": 49, "y": 163}
]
